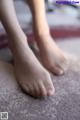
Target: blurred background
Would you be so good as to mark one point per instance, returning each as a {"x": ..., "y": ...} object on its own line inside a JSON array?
[{"x": 64, "y": 22}]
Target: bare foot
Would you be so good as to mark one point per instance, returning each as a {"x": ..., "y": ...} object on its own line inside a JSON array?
[
  {"x": 31, "y": 75},
  {"x": 52, "y": 57}
]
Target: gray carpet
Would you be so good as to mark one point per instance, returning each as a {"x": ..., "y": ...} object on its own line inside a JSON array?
[{"x": 64, "y": 105}]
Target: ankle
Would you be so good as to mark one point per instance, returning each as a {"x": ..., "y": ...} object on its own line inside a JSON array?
[
  {"x": 18, "y": 45},
  {"x": 41, "y": 32},
  {"x": 40, "y": 37}
]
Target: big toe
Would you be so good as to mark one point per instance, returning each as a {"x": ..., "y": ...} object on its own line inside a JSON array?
[
  {"x": 43, "y": 91},
  {"x": 49, "y": 88},
  {"x": 50, "y": 92},
  {"x": 56, "y": 69}
]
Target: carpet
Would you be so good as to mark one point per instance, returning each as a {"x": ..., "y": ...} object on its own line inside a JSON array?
[{"x": 64, "y": 105}]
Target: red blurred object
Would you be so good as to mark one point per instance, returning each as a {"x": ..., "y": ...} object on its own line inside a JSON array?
[{"x": 56, "y": 32}]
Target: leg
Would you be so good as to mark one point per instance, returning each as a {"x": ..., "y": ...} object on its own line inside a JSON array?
[
  {"x": 52, "y": 57},
  {"x": 35, "y": 82}
]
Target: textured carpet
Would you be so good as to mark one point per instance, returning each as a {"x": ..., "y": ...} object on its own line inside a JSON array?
[{"x": 64, "y": 105}]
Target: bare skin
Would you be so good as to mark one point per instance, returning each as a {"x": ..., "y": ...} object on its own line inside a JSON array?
[
  {"x": 51, "y": 55},
  {"x": 31, "y": 75}
]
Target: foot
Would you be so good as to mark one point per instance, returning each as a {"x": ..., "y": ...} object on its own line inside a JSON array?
[
  {"x": 52, "y": 57},
  {"x": 31, "y": 75}
]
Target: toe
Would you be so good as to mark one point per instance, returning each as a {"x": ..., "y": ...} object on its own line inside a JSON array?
[
  {"x": 29, "y": 89},
  {"x": 32, "y": 90},
  {"x": 37, "y": 90},
  {"x": 56, "y": 70},
  {"x": 26, "y": 89},
  {"x": 50, "y": 92},
  {"x": 43, "y": 91},
  {"x": 49, "y": 88}
]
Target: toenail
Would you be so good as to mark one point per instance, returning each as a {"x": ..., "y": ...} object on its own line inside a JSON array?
[
  {"x": 50, "y": 92},
  {"x": 44, "y": 94},
  {"x": 61, "y": 72}
]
